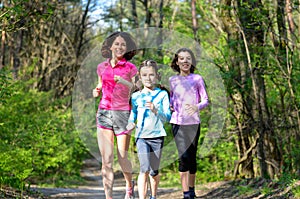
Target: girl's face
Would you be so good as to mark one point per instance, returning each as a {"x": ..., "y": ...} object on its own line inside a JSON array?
[
  {"x": 148, "y": 76},
  {"x": 118, "y": 47},
  {"x": 184, "y": 62}
]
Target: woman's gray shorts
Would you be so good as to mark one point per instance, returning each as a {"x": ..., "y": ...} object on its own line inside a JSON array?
[{"x": 113, "y": 120}]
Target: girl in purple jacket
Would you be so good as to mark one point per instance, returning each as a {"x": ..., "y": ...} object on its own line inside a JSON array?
[{"x": 188, "y": 96}]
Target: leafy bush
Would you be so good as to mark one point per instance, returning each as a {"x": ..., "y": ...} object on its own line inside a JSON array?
[{"x": 37, "y": 140}]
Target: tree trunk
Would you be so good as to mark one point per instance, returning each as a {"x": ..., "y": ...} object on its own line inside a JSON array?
[
  {"x": 2, "y": 52},
  {"x": 148, "y": 14},
  {"x": 16, "y": 52},
  {"x": 244, "y": 139},
  {"x": 242, "y": 112},
  {"x": 3, "y": 37},
  {"x": 194, "y": 20},
  {"x": 134, "y": 14},
  {"x": 121, "y": 15},
  {"x": 284, "y": 57},
  {"x": 159, "y": 40},
  {"x": 253, "y": 34},
  {"x": 82, "y": 29}
]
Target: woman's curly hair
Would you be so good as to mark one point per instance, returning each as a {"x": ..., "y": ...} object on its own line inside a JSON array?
[
  {"x": 174, "y": 64},
  {"x": 130, "y": 44}
]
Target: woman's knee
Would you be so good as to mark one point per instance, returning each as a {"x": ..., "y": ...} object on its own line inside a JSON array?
[
  {"x": 107, "y": 165},
  {"x": 107, "y": 161},
  {"x": 122, "y": 155}
]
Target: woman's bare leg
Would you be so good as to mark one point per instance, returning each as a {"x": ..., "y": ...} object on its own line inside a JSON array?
[
  {"x": 123, "y": 146},
  {"x": 105, "y": 139}
]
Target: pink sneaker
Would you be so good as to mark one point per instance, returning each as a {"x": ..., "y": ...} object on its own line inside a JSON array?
[{"x": 130, "y": 192}]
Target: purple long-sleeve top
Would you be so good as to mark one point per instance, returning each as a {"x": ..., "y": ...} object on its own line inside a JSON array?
[{"x": 187, "y": 90}]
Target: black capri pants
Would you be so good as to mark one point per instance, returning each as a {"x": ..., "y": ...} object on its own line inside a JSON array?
[{"x": 186, "y": 139}]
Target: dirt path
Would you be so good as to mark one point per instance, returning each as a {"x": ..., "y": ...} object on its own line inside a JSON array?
[
  {"x": 243, "y": 189},
  {"x": 93, "y": 188},
  {"x": 257, "y": 188}
]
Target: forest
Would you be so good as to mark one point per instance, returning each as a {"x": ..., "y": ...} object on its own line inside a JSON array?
[{"x": 248, "y": 52}]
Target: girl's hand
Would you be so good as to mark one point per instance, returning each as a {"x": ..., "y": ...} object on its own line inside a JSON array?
[
  {"x": 150, "y": 105},
  {"x": 171, "y": 108},
  {"x": 96, "y": 92},
  {"x": 191, "y": 109},
  {"x": 130, "y": 126}
]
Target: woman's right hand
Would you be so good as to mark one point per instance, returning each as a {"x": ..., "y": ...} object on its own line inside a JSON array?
[{"x": 96, "y": 92}]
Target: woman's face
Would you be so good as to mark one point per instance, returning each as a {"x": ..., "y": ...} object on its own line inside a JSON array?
[
  {"x": 118, "y": 47},
  {"x": 184, "y": 62}
]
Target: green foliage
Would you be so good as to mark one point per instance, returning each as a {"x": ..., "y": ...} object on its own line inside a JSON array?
[
  {"x": 219, "y": 164},
  {"x": 287, "y": 179},
  {"x": 170, "y": 176},
  {"x": 296, "y": 191},
  {"x": 20, "y": 14},
  {"x": 265, "y": 190},
  {"x": 38, "y": 140},
  {"x": 244, "y": 190}
]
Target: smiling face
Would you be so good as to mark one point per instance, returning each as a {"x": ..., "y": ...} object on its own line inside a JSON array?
[
  {"x": 118, "y": 48},
  {"x": 184, "y": 62},
  {"x": 148, "y": 77}
]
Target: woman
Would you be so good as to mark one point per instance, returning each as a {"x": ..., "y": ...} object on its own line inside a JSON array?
[
  {"x": 115, "y": 82},
  {"x": 188, "y": 96}
]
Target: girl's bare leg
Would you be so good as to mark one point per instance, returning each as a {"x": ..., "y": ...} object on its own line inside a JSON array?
[
  {"x": 192, "y": 178},
  {"x": 154, "y": 181},
  {"x": 184, "y": 177},
  {"x": 142, "y": 185}
]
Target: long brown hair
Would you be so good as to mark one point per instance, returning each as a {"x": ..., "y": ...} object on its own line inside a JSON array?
[
  {"x": 174, "y": 64},
  {"x": 130, "y": 44}
]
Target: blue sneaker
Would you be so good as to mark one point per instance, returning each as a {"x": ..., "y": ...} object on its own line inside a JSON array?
[{"x": 192, "y": 193}]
